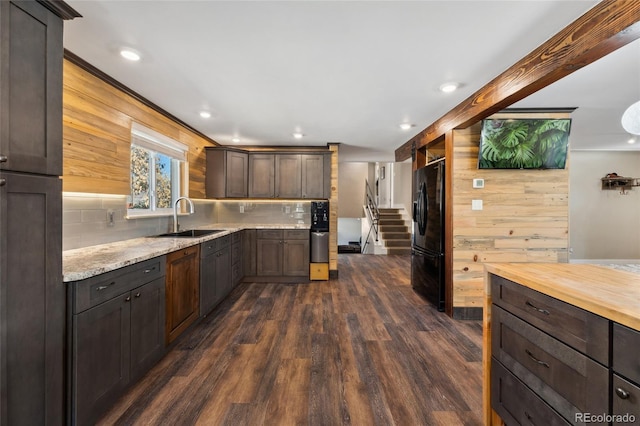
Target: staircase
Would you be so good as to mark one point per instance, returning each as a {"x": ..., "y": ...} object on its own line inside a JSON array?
[{"x": 395, "y": 236}]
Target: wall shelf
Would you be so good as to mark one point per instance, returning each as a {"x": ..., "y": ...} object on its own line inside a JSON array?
[{"x": 620, "y": 183}]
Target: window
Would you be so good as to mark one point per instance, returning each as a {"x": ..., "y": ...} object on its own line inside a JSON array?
[{"x": 159, "y": 172}]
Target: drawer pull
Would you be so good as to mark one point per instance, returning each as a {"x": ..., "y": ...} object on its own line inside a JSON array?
[
  {"x": 528, "y": 416},
  {"x": 104, "y": 287},
  {"x": 533, "y": 358},
  {"x": 3, "y": 158},
  {"x": 532, "y": 306},
  {"x": 3, "y": 181},
  {"x": 622, "y": 394},
  {"x": 138, "y": 294},
  {"x": 128, "y": 299},
  {"x": 146, "y": 271}
]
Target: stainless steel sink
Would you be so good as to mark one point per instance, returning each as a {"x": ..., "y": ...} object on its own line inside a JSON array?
[{"x": 191, "y": 233}]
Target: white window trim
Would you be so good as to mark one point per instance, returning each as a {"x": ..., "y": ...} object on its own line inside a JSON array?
[{"x": 147, "y": 138}]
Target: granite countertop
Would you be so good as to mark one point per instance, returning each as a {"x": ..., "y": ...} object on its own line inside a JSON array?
[
  {"x": 86, "y": 262},
  {"x": 610, "y": 293}
]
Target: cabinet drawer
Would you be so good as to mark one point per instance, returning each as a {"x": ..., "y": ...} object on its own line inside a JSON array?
[
  {"x": 626, "y": 401},
  {"x": 582, "y": 330},
  {"x": 296, "y": 234},
  {"x": 626, "y": 343},
  {"x": 98, "y": 289},
  {"x": 207, "y": 248},
  {"x": 270, "y": 234},
  {"x": 569, "y": 381},
  {"x": 516, "y": 403}
]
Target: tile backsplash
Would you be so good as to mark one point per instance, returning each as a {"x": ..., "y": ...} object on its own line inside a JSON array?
[{"x": 85, "y": 217}]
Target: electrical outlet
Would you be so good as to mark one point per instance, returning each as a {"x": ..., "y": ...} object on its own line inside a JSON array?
[
  {"x": 478, "y": 183},
  {"x": 476, "y": 204},
  {"x": 241, "y": 208},
  {"x": 111, "y": 218}
]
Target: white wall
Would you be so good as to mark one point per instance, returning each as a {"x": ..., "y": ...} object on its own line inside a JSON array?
[
  {"x": 403, "y": 176},
  {"x": 351, "y": 179},
  {"x": 603, "y": 224}
]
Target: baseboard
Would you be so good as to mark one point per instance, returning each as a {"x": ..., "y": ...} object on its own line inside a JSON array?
[
  {"x": 615, "y": 261},
  {"x": 333, "y": 273},
  {"x": 467, "y": 313}
]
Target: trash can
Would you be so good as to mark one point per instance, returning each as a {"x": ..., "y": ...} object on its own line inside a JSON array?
[{"x": 319, "y": 247}]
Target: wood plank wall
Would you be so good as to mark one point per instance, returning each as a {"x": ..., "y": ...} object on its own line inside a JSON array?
[
  {"x": 97, "y": 121},
  {"x": 333, "y": 210},
  {"x": 525, "y": 216}
]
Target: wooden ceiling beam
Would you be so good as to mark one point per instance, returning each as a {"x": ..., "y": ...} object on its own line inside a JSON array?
[{"x": 608, "y": 26}]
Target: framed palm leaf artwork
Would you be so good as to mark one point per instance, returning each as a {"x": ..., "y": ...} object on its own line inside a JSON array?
[{"x": 524, "y": 143}]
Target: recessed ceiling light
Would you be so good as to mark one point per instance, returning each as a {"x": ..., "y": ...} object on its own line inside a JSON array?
[
  {"x": 298, "y": 135},
  {"x": 449, "y": 87},
  {"x": 406, "y": 126},
  {"x": 632, "y": 140},
  {"x": 130, "y": 54},
  {"x": 235, "y": 140},
  {"x": 205, "y": 114}
]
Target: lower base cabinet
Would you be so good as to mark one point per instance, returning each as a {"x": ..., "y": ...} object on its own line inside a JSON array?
[
  {"x": 117, "y": 334},
  {"x": 282, "y": 253},
  {"x": 182, "y": 291},
  {"x": 215, "y": 273}
]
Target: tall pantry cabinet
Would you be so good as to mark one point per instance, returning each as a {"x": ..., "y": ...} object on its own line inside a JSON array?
[{"x": 32, "y": 294}]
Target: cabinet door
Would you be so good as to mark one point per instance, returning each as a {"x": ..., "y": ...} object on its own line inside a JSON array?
[
  {"x": 31, "y": 87},
  {"x": 269, "y": 259},
  {"x": 182, "y": 291},
  {"x": 223, "y": 273},
  {"x": 295, "y": 260},
  {"x": 237, "y": 174},
  {"x": 313, "y": 176},
  {"x": 249, "y": 255},
  {"x": 101, "y": 348},
  {"x": 208, "y": 297},
  {"x": 288, "y": 171},
  {"x": 32, "y": 299},
  {"x": 261, "y": 175},
  {"x": 147, "y": 326}
]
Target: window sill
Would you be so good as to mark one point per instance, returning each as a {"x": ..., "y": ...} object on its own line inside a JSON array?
[{"x": 151, "y": 215}]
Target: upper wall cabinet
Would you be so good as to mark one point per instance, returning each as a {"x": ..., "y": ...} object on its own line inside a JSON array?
[
  {"x": 277, "y": 174},
  {"x": 227, "y": 172},
  {"x": 31, "y": 87}
]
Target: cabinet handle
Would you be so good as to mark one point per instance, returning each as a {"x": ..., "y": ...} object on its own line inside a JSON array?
[
  {"x": 3, "y": 158},
  {"x": 528, "y": 416},
  {"x": 104, "y": 287},
  {"x": 544, "y": 364},
  {"x": 128, "y": 299},
  {"x": 138, "y": 294},
  {"x": 532, "y": 306},
  {"x": 146, "y": 271},
  {"x": 622, "y": 394},
  {"x": 3, "y": 182}
]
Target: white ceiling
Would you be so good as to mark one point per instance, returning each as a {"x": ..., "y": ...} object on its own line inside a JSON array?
[{"x": 342, "y": 71}]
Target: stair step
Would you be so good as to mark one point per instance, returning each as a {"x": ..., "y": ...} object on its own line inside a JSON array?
[
  {"x": 388, "y": 210},
  {"x": 393, "y": 228},
  {"x": 390, "y": 216},
  {"x": 383, "y": 221},
  {"x": 396, "y": 235},
  {"x": 399, "y": 251},
  {"x": 397, "y": 243}
]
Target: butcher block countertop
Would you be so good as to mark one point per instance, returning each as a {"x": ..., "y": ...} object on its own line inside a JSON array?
[
  {"x": 610, "y": 293},
  {"x": 86, "y": 262}
]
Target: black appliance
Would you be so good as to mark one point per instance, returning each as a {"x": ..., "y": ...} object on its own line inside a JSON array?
[
  {"x": 319, "y": 232},
  {"x": 320, "y": 216},
  {"x": 427, "y": 250}
]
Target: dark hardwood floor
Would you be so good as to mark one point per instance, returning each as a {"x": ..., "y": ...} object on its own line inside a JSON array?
[{"x": 363, "y": 349}]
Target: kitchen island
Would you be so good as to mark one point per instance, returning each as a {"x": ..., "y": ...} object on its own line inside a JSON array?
[{"x": 528, "y": 309}]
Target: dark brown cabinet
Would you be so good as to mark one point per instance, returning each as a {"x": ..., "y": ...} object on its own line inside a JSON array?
[
  {"x": 215, "y": 275},
  {"x": 227, "y": 173},
  {"x": 261, "y": 175},
  {"x": 626, "y": 374},
  {"x": 237, "y": 267},
  {"x": 547, "y": 354},
  {"x": 182, "y": 291},
  {"x": 282, "y": 253},
  {"x": 249, "y": 254},
  {"x": 32, "y": 299},
  {"x": 31, "y": 84},
  {"x": 32, "y": 295},
  {"x": 287, "y": 176},
  {"x": 314, "y": 176},
  {"x": 117, "y": 334}
]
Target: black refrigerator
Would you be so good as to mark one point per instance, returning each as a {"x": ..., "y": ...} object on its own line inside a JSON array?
[{"x": 427, "y": 250}]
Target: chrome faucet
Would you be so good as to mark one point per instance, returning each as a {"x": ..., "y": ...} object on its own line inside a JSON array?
[{"x": 175, "y": 211}]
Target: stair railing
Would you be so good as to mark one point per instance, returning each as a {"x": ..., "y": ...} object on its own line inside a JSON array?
[{"x": 373, "y": 214}]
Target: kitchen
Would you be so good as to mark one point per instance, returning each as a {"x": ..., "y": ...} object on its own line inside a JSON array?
[{"x": 105, "y": 182}]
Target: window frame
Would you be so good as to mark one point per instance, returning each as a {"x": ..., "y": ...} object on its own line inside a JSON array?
[{"x": 156, "y": 143}]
